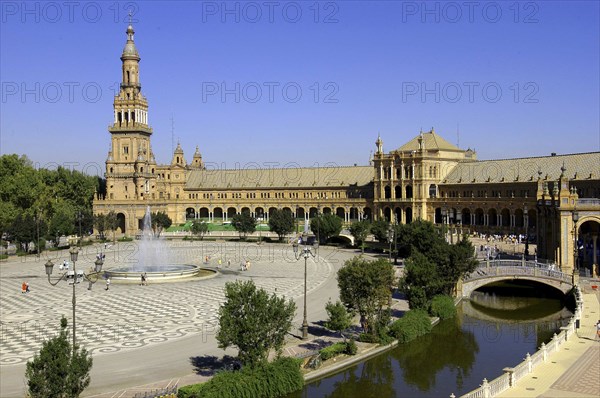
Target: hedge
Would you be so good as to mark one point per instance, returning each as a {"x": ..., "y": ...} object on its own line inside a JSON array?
[
  {"x": 271, "y": 380},
  {"x": 348, "y": 347},
  {"x": 413, "y": 324},
  {"x": 443, "y": 307}
]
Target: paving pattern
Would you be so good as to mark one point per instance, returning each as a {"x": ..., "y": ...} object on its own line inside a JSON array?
[
  {"x": 584, "y": 376},
  {"x": 132, "y": 316}
]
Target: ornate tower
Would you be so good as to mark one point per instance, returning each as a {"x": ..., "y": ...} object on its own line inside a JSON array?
[{"x": 130, "y": 165}]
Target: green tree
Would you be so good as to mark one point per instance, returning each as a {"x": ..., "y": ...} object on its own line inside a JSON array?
[
  {"x": 20, "y": 183},
  {"x": 253, "y": 321},
  {"x": 360, "y": 230},
  {"x": 62, "y": 221},
  {"x": 58, "y": 370},
  {"x": 160, "y": 221},
  {"x": 244, "y": 223},
  {"x": 112, "y": 223},
  {"x": 282, "y": 223},
  {"x": 433, "y": 266},
  {"x": 365, "y": 288},
  {"x": 8, "y": 214},
  {"x": 23, "y": 230},
  {"x": 380, "y": 229},
  {"x": 421, "y": 236},
  {"x": 421, "y": 281},
  {"x": 325, "y": 226},
  {"x": 199, "y": 228},
  {"x": 339, "y": 317},
  {"x": 100, "y": 223}
]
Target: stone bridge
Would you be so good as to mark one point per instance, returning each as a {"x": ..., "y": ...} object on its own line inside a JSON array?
[
  {"x": 501, "y": 270},
  {"x": 345, "y": 234}
]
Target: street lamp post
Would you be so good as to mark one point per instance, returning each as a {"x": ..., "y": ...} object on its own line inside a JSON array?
[
  {"x": 396, "y": 241},
  {"x": 444, "y": 221},
  {"x": 37, "y": 224},
  {"x": 575, "y": 216},
  {"x": 296, "y": 231},
  {"x": 390, "y": 237},
  {"x": 526, "y": 221},
  {"x": 458, "y": 226},
  {"x": 79, "y": 218},
  {"x": 305, "y": 252},
  {"x": 74, "y": 277}
]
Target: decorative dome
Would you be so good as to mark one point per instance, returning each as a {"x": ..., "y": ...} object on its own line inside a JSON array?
[{"x": 130, "y": 51}]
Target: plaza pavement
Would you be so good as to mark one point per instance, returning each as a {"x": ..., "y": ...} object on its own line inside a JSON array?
[
  {"x": 148, "y": 337},
  {"x": 139, "y": 335}
]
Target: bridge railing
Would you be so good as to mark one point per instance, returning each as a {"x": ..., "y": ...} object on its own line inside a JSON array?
[
  {"x": 511, "y": 376},
  {"x": 512, "y": 267}
]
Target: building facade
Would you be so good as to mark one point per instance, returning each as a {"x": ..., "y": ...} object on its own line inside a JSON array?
[{"x": 554, "y": 198}]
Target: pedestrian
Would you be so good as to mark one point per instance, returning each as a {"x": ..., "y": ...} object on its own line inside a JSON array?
[
  {"x": 228, "y": 263},
  {"x": 598, "y": 329},
  {"x": 23, "y": 287},
  {"x": 26, "y": 287},
  {"x": 107, "y": 283},
  {"x": 145, "y": 279},
  {"x": 219, "y": 263},
  {"x": 142, "y": 282}
]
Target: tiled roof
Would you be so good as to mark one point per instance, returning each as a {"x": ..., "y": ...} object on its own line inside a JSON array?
[
  {"x": 280, "y": 178},
  {"x": 432, "y": 142},
  {"x": 581, "y": 165}
]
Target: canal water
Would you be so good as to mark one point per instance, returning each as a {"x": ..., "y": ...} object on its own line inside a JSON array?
[{"x": 493, "y": 330}]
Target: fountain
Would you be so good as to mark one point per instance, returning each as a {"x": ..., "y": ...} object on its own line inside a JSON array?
[{"x": 155, "y": 259}]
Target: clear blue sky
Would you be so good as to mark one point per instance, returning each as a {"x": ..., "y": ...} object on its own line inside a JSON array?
[{"x": 380, "y": 67}]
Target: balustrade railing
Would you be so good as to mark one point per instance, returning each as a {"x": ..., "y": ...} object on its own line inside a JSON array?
[
  {"x": 512, "y": 267},
  {"x": 512, "y": 375}
]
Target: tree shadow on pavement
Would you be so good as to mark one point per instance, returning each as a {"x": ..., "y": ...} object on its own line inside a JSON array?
[
  {"x": 397, "y": 313},
  {"x": 208, "y": 365},
  {"x": 315, "y": 345},
  {"x": 318, "y": 329}
]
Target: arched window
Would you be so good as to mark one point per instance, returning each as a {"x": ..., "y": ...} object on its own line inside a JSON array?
[
  {"x": 432, "y": 191},
  {"x": 388, "y": 192}
]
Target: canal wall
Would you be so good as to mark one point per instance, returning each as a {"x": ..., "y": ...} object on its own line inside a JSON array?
[{"x": 511, "y": 376}]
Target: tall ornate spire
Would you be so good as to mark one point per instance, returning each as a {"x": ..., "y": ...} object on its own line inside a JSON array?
[{"x": 130, "y": 106}]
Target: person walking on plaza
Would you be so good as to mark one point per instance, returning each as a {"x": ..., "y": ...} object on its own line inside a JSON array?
[
  {"x": 598, "y": 329},
  {"x": 107, "y": 283}
]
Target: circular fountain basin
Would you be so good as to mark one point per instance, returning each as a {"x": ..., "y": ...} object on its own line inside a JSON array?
[{"x": 162, "y": 273}]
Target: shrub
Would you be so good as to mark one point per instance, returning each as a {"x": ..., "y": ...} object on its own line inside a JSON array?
[
  {"x": 125, "y": 239},
  {"x": 368, "y": 338},
  {"x": 3, "y": 256},
  {"x": 413, "y": 324},
  {"x": 351, "y": 347},
  {"x": 333, "y": 350},
  {"x": 270, "y": 380},
  {"x": 442, "y": 306},
  {"x": 347, "y": 347}
]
